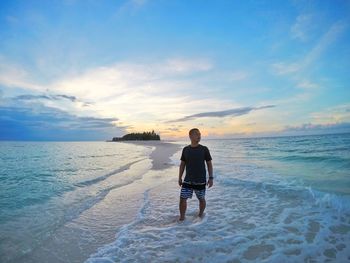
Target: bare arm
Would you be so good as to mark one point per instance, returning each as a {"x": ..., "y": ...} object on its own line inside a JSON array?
[
  {"x": 210, "y": 168},
  {"x": 210, "y": 171},
  {"x": 181, "y": 171}
]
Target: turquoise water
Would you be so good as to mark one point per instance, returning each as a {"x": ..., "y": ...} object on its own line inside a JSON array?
[
  {"x": 45, "y": 185},
  {"x": 321, "y": 162},
  {"x": 274, "y": 200},
  {"x": 32, "y": 173}
]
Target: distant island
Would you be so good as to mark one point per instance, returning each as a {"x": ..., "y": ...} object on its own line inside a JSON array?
[{"x": 137, "y": 136}]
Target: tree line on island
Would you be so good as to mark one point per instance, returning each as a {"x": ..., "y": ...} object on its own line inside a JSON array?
[{"x": 138, "y": 136}]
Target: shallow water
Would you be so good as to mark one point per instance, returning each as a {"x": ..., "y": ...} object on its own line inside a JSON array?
[
  {"x": 273, "y": 200},
  {"x": 46, "y": 185},
  {"x": 259, "y": 209}
]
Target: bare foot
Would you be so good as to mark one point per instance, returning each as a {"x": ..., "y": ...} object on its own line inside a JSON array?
[
  {"x": 201, "y": 215},
  {"x": 181, "y": 218}
]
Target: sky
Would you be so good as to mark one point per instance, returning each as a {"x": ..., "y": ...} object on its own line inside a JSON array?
[{"x": 94, "y": 69}]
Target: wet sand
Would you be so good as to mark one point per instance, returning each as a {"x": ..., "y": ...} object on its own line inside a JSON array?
[
  {"x": 161, "y": 155},
  {"x": 96, "y": 226}
]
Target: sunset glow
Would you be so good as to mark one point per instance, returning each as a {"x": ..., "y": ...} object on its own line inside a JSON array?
[{"x": 96, "y": 69}]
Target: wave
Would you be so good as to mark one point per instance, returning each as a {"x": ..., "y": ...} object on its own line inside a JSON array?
[
  {"x": 122, "y": 233},
  {"x": 335, "y": 159},
  {"x": 293, "y": 189},
  {"x": 105, "y": 176},
  {"x": 336, "y": 149},
  {"x": 329, "y": 200},
  {"x": 74, "y": 212},
  {"x": 98, "y": 156},
  {"x": 264, "y": 221}
]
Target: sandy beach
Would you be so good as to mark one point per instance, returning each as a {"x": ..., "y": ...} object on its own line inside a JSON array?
[
  {"x": 161, "y": 155},
  {"x": 121, "y": 205},
  {"x": 96, "y": 226},
  {"x": 253, "y": 215}
]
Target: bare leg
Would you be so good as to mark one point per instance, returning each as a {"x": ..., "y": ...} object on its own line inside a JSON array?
[
  {"x": 182, "y": 207},
  {"x": 202, "y": 204}
]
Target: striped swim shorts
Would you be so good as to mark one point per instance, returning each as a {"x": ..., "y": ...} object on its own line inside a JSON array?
[{"x": 187, "y": 192}]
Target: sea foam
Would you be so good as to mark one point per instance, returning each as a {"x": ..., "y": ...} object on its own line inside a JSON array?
[{"x": 252, "y": 215}]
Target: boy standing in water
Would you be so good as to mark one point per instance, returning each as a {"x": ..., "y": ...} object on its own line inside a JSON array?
[{"x": 193, "y": 157}]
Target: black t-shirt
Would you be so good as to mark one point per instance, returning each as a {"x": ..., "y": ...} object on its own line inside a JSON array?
[{"x": 194, "y": 158}]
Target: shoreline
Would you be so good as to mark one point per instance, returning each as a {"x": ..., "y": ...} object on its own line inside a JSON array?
[
  {"x": 120, "y": 206},
  {"x": 160, "y": 156},
  {"x": 135, "y": 217}
]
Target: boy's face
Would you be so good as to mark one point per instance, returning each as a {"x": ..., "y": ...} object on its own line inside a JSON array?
[{"x": 195, "y": 136}]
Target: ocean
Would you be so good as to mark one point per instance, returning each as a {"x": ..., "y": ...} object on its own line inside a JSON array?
[{"x": 277, "y": 199}]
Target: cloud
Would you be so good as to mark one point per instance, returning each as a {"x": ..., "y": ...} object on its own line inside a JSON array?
[
  {"x": 47, "y": 97},
  {"x": 337, "y": 113},
  {"x": 125, "y": 88},
  {"x": 230, "y": 112},
  {"x": 170, "y": 130},
  {"x": 187, "y": 65},
  {"x": 302, "y": 28},
  {"x": 142, "y": 95},
  {"x": 307, "y": 85},
  {"x": 130, "y": 7},
  {"x": 326, "y": 40},
  {"x": 126, "y": 78},
  {"x": 52, "y": 97},
  {"x": 282, "y": 68},
  {"x": 30, "y": 121},
  {"x": 251, "y": 124},
  {"x": 332, "y": 34},
  {"x": 214, "y": 135},
  {"x": 318, "y": 128},
  {"x": 14, "y": 76}
]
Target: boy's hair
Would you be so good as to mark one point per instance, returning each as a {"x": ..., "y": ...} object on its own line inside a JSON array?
[{"x": 192, "y": 130}]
